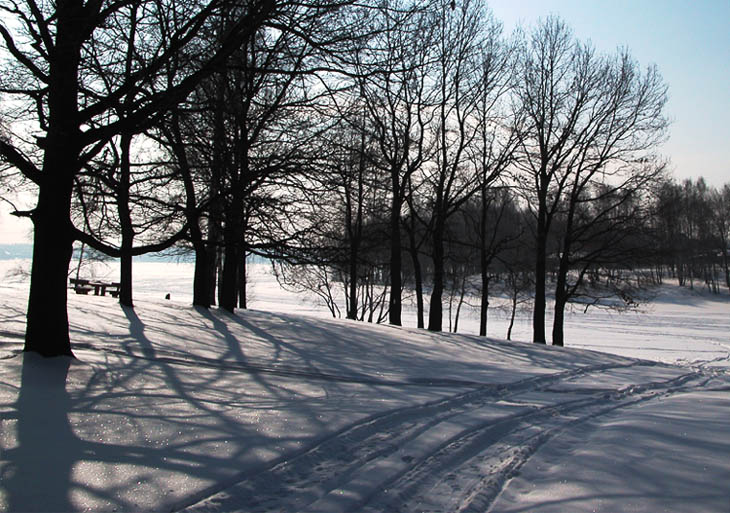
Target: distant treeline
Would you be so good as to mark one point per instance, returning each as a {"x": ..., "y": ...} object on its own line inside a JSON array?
[{"x": 676, "y": 230}]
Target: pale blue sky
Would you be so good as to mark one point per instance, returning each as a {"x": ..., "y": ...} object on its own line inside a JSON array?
[{"x": 690, "y": 43}]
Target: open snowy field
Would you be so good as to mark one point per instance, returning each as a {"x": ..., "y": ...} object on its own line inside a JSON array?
[{"x": 280, "y": 409}]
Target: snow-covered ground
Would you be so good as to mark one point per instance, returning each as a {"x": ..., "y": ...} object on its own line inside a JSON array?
[{"x": 280, "y": 409}]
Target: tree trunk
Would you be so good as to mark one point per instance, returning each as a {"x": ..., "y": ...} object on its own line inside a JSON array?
[
  {"x": 435, "y": 311},
  {"x": 538, "y": 316},
  {"x": 125, "y": 221},
  {"x": 229, "y": 279},
  {"x": 47, "y": 317},
  {"x": 242, "y": 282},
  {"x": 561, "y": 297},
  {"x": 726, "y": 266},
  {"x": 417, "y": 271},
  {"x": 201, "y": 283},
  {"x": 559, "y": 323},
  {"x": 228, "y": 293},
  {"x": 395, "y": 306},
  {"x": 418, "y": 278},
  {"x": 125, "y": 278},
  {"x": 201, "y": 276},
  {"x": 461, "y": 302},
  {"x": 484, "y": 306},
  {"x": 352, "y": 303},
  {"x": 483, "y": 260},
  {"x": 559, "y": 320},
  {"x": 512, "y": 315},
  {"x": 212, "y": 249}
]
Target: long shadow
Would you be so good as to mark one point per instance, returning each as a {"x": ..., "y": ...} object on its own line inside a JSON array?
[
  {"x": 235, "y": 351},
  {"x": 46, "y": 447}
]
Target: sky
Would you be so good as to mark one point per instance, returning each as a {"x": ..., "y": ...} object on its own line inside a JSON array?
[{"x": 689, "y": 41}]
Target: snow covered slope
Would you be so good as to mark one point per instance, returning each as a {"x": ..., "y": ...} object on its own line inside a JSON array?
[{"x": 168, "y": 407}]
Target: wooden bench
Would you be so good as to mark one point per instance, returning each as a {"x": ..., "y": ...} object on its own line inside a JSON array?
[
  {"x": 100, "y": 288},
  {"x": 80, "y": 286}
]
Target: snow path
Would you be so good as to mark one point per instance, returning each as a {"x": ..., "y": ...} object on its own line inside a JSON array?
[
  {"x": 408, "y": 459},
  {"x": 669, "y": 454}
]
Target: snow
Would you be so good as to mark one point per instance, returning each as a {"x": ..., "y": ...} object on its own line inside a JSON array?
[{"x": 168, "y": 408}]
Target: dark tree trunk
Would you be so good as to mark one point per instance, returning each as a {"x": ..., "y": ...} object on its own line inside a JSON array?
[
  {"x": 243, "y": 282},
  {"x": 123, "y": 187},
  {"x": 47, "y": 318},
  {"x": 220, "y": 257},
  {"x": 483, "y": 260},
  {"x": 201, "y": 276},
  {"x": 462, "y": 293},
  {"x": 395, "y": 306},
  {"x": 435, "y": 311},
  {"x": 201, "y": 283},
  {"x": 538, "y": 317},
  {"x": 416, "y": 261},
  {"x": 726, "y": 265},
  {"x": 559, "y": 320},
  {"x": 418, "y": 279},
  {"x": 125, "y": 275},
  {"x": 512, "y": 315},
  {"x": 353, "y": 231},
  {"x": 352, "y": 276},
  {"x": 220, "y": 166},
  {"x": 561, "y": 293},
  {"x": 232, "y": 253},
  {"x": 212, "y": 249},
  {"x": 229, "y": 278},
  {"x": 125, "y": 221},
  {"x": 484, "y": 306}
]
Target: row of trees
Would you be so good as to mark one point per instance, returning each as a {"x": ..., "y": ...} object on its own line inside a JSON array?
[
  {"x": 693, "y": 233},
  {"x": 464, "y": 112},
  {"x": 658, "y": 238},
  {"x": 291, "y": 129}
]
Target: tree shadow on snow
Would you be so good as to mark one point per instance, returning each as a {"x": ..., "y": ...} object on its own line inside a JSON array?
[{"x": 46, "y": 445}]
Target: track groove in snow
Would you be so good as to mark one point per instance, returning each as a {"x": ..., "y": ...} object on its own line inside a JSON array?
[
  {"x": 487, "y": 455},
  {"x": 392, "y": 461}
]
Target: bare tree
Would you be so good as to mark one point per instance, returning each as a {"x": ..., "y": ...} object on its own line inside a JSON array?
[
  {"x": 392, "y": 83},
  {"x": 603, "y": 230},
  {"x": 492, "y": 152},
  {"x": 720, "y": 204},
  {"x": 459, "y": 81},
  {"x": 73, "y": 119},
  {"x": 588, "y": 119},
  {"x": 494, "y": 227}
]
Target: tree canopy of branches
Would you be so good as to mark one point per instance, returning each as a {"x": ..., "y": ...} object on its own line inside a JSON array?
[
  {"x": 586, "y": 120},
  {"x": 338, "y": 135},
  {"x": 69, "y": 76}
]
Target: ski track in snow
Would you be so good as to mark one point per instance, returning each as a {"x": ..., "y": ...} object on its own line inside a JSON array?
[{"x": 408, "y": 459}]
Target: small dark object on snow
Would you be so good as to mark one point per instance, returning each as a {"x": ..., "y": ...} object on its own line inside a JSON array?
[{"x": 167, "y": 296}]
